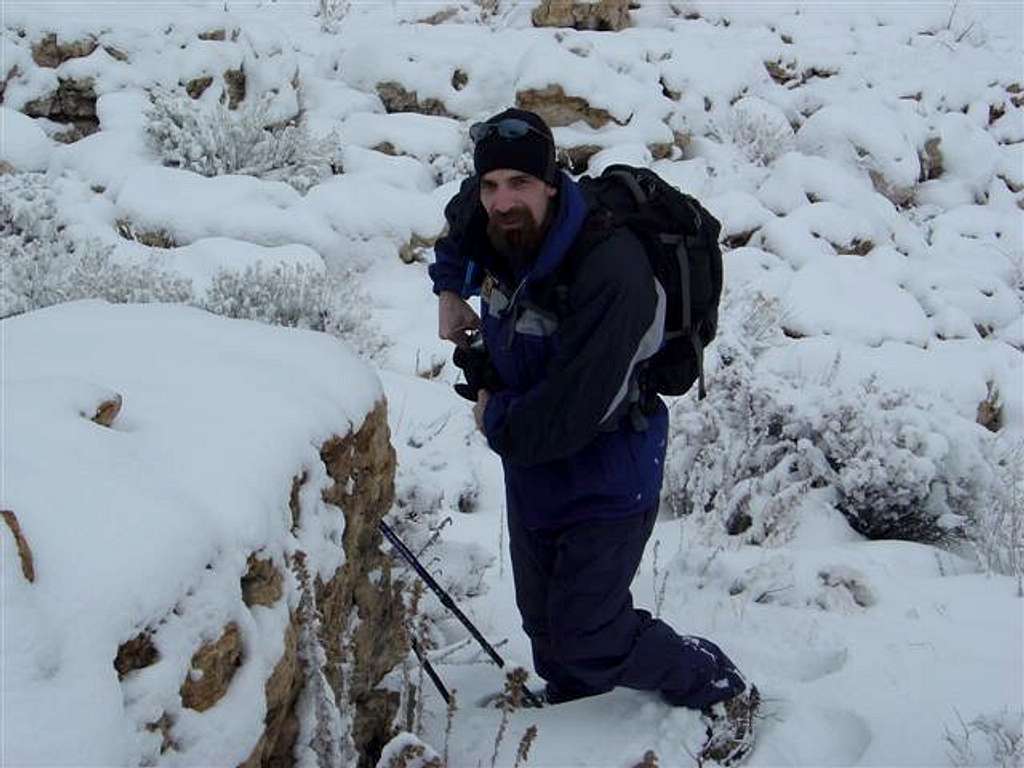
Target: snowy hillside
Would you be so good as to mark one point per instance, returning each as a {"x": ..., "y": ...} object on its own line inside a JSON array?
[{"x": 842, "y": 514}]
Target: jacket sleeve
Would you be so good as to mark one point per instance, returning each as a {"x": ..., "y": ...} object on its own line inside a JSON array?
[
  {"x": 615, "y": 320},
  {"x": 448, "y": 272}
]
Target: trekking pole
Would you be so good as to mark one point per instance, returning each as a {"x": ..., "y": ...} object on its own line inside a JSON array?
[
  {"x": 447, "y": 602},
  {"x": 429, "y": 669}
]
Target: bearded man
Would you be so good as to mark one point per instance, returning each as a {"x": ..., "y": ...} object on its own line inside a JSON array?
[{"x": 582, "y": 451}]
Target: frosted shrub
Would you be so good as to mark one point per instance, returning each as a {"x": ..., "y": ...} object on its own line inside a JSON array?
[
  {"x": 298, "y": 297},
  {"x": 756, "y": 128},
  {"x": 32, "y": 251},
  {"x": 997, "y": 532},
  {"x": 760, "y": 446},
  {"x": 212, "y": 140},
  {"x": 996, "y": 739},
  {"x": 447, "y": 169},
  {"x": 43, "y": 264},
  {"x": 94, "y": 275},
  {"x": 331, "y": 13},
  {"x": 902, "y": 469}
]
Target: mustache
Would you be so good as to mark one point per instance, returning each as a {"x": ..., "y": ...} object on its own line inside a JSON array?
[{"x": 514, "y": 216}]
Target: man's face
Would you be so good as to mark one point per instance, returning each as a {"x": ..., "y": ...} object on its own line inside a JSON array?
[{"x": 517, "y": 209}]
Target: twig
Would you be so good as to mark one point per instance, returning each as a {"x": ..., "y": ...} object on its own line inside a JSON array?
[
  {"x": 24, "y": 551},
  {"x": 523, "y": 752},
  {"x": 449, "y": 723}
]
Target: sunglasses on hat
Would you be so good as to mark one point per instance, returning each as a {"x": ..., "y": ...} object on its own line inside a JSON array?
[{"x": 509, "y": 129}]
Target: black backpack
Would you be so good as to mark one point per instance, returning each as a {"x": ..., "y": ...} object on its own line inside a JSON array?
[{"x": 681, "y": 241}]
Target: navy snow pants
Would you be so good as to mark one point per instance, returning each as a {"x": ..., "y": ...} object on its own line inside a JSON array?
[{"x": 572, "y": 589}]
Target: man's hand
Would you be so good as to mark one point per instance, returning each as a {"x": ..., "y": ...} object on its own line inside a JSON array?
[
  {"x": 455, "y": 319},
  {"x": 478, "y": 410}
]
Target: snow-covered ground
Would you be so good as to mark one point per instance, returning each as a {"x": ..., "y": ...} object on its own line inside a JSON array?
[{"x": 867, "y": 163}]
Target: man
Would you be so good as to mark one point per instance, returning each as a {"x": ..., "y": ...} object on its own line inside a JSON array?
[{"x": 582, "y": 450}]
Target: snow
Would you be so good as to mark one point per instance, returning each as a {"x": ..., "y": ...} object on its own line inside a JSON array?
[
  {"x": 25, "y": 145},
  {"x": 844, "y": 297},
  {"x": 866, "y": 651},
  {"x": 203, "y": 259}
]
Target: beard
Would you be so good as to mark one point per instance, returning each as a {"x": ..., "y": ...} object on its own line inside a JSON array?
[{"x": 516, "y": 235}]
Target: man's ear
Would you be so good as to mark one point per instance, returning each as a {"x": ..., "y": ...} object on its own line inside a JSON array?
[{"x": 551, "y": 191}]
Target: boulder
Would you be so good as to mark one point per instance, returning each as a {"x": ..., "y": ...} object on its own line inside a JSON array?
[
  {"x": 73, "y": 103},
  {"x": 602, "y": 16},
  {"x": 51, "y": 52},
  {"x": 559, "y": 109}
]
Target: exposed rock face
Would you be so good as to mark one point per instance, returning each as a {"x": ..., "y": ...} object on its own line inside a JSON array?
[
  {"x": 931, "y": 160},
  {"x": 197, "y": 86},
  {"x": 397, "y": 99},
  {"x": 107, "y": 411},
  {"x": 156, "y": 238},
  {"x": 262, "y": 584},
  {"x": 379, "y": 643},
  {"x": 137, "y": 653},
  {"x": 603, "y": 16},
  {"x": 234, "y": 84},
  {"x": 990, "y": 410},
  {"x": 74, "y": 103},
  {"x": 50, "y": 52},
  {"x": 576, "y": 159},
  {"x": 213, "y": 667},
  {"x": 558, "y": 109},
  {"x": 362, "y": 467}
]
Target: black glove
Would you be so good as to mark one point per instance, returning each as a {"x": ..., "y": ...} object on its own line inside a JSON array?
[{"x": 475, "y": 364}]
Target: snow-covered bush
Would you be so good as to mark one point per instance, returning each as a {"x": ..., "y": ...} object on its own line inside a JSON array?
[
  {"x": 295, "y": 296},
  {"x": 760, "y": 446},
  {"x": 996, "y": 739},
  {"x": 756, "y": 128},
  {"x": 997, "y": 531},
  {"x": 44, "y": 264},
  {"x": 208, "y": 138},
  {"x": 449, "y": 168},
  {"x": 331, "y": 13}
]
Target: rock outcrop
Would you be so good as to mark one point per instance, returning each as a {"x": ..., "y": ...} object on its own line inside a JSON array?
[
  {"x": 559, "y": 109},
  {"x": 73, "y": 103},
  {"x": 602, "y": 16},
  {"x": 396, "y": 98},
  {"x": 363, "y": 469},
  {"x": 361, "y": 594},
  {"x": 51, "y": 52}
]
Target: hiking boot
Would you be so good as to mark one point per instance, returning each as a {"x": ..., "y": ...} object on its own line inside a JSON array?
[{"x": 730, "y": 728}]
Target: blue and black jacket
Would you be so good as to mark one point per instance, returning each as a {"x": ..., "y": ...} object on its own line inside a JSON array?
[{"x": 566, "y": 337}]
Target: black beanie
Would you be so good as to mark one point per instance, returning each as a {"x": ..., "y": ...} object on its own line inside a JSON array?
[{"x": 533, "y": 153}]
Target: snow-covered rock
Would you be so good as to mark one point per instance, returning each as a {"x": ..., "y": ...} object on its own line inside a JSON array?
[{"x": 197, "y": 500}]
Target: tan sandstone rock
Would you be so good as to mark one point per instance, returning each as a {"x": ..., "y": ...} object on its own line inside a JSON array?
[
  {"x": 559, "y": 109},
  {"x": 73, "y": 103},
  {"x": 379, "y": 643},
  {"x": 213, "y": 667},
  {"x": 602, "y": 16},
  {"x": 396, "y": 98},
  {"x": 235, "y": 86},
  {"x": 51, "y": 52},
  {"x": 262, "y": 584},
  {"x": 362, "y": 467}
]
